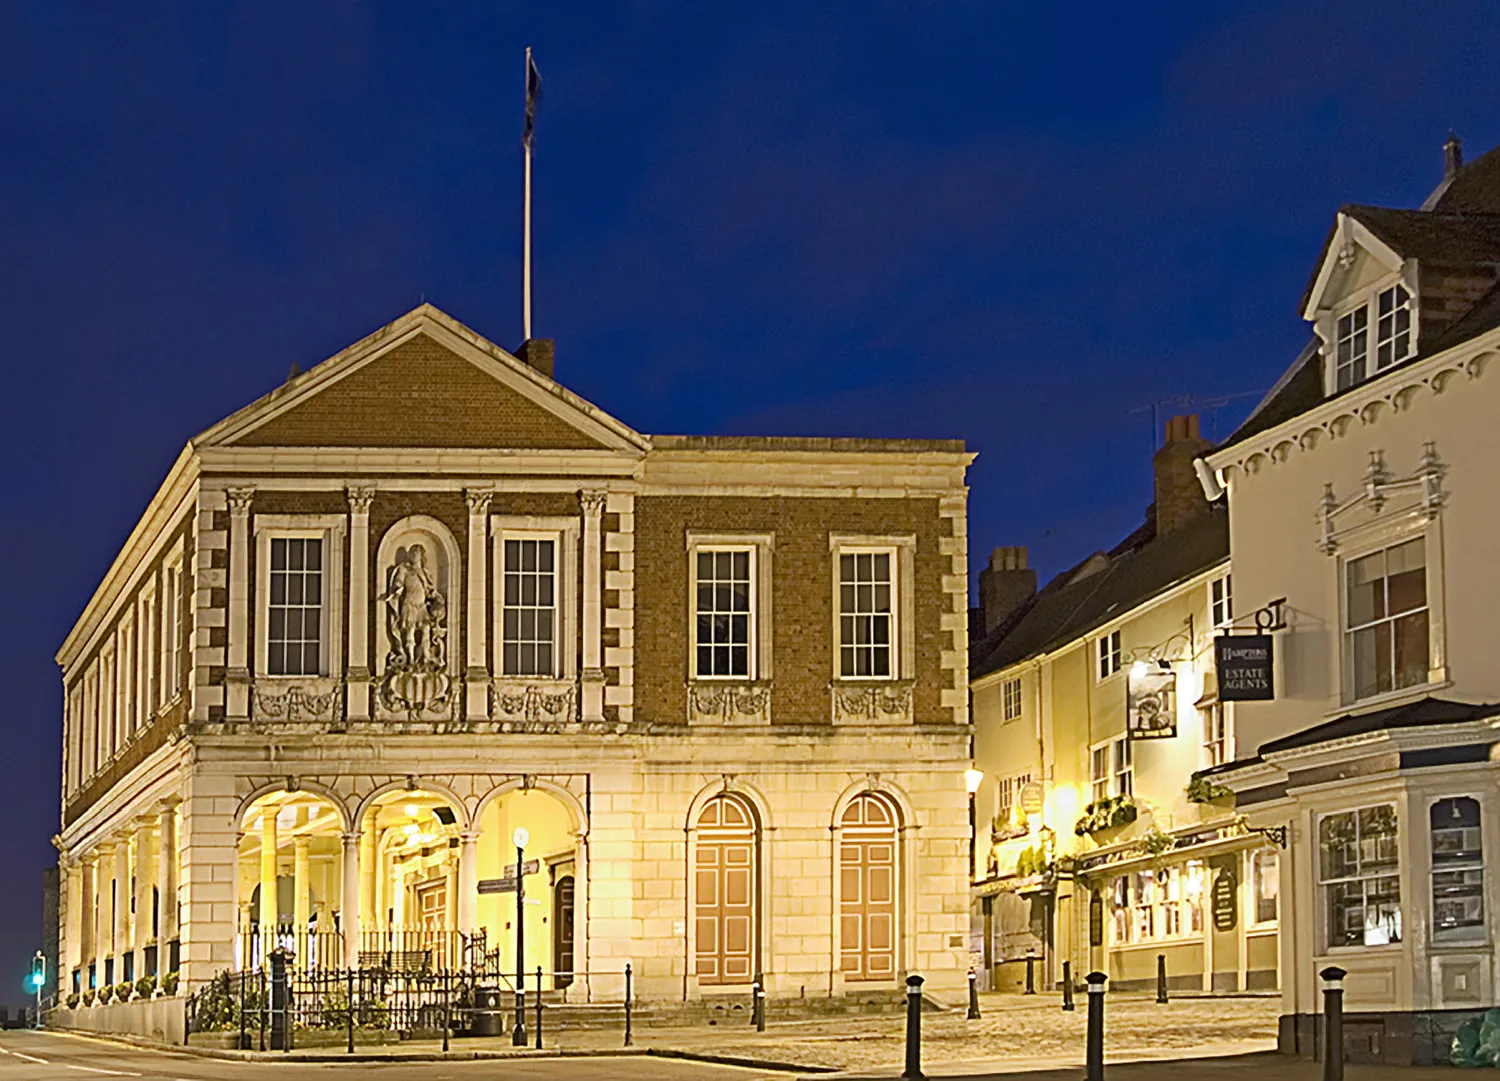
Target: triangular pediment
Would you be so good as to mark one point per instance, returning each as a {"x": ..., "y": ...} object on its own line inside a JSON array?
[
  {"x": 424, "y": 381},
  {"x": 1353, "y": 259}
]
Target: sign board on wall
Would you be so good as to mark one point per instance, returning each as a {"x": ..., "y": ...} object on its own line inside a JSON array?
[
  {"x": 1224, "y": 899},
  {"x": 1151, "y": 702},
  {"x": 1031, "y": 798},
  {"x": 1244, "y": 666},
  {"x": 1096, "y": 918}
]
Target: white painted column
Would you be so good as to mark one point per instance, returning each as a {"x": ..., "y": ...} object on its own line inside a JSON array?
[
  {"x": 300, "y": 907},
  {"x": 357, "y": 707},
  {"x": 145, "y": 880},
  {"x": 349, "y": 915},
  {"x": 166, "y": 883},
  {"x": 121, "y": 940},
  {"x": 477, "y": 677},
  {"x": 593, "y": 606},
  {"x": 468, "y": 881},
  {"x": 237, "y": 672},
  {"x": 88, "y": 917},
  {"x": 369, "y": 913},
  {"x": 72, "y": 952},
  {"x": 268, "y": 914}
]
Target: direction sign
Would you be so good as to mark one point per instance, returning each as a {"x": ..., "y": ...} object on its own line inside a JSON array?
[
  {"x": 497, "y": 885},
  {"x": 530, "y": 867}
]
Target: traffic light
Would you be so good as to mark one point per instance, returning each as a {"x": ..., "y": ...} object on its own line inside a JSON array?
[{"x": 38, "y": 975}]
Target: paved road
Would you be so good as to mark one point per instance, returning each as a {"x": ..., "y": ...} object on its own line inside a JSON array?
[{"x": 45, "y": 1056}]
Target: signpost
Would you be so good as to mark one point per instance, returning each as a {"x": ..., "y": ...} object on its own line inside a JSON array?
[
  {"x": 497, "y": 885},
  {"x": 521, "y": 838},
  {"x": 1245, "y": 666}
]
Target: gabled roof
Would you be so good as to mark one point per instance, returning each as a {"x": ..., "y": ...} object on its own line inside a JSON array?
[
  {"x": 424, "y": 380},
  {"x": 1476, "y": 187},
  {"x": 1432, "y": 235},
  {"x": 1070, "y": 606}
]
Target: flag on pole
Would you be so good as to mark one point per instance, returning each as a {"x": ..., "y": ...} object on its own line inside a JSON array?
[{"x": 533, "y": 95}]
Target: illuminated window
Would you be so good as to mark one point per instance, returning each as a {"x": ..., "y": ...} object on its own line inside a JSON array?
[
  {"x": 1215, "y": 733},
  {"x": 1358, "y": 871},
  {"x": 1153, "y": 905},
  {"x": 1352, "y": 347},
  {"x": 1111, "y": 770},
  {"x": 1221, "y": 601},
  {"x": 529, "y": 607},
  {"x": 867, "y": 614},
  {"x": 1266, "y": 884},
  {"x": 724, "y": 628},
  {"x": 1392, "y": 326},
  {"x": 1457, "y": 871}
]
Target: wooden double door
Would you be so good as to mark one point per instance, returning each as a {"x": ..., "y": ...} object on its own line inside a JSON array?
[
  {"x": 868, "y": 890},
  {"x": 726, "y": 877}
]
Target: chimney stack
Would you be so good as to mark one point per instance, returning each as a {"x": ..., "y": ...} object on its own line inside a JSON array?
[
  {"x": 1005, "y": 585},
  {"x": 539, "y": 354},
  {"x": 1453, "y": 155},
  {"x": 1179, "y": 495}
]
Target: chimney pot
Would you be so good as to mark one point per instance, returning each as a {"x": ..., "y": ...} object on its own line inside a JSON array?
[
  {"x": 1005, "y": 585},
  {"x": 1453, "y": 155},
  {"x": 1179, "y": 495}
]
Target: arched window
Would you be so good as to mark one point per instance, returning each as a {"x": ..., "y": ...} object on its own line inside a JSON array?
[
  {"x": 1457, "y": 870},
  {"x": 868, "y": 885},
  {"x": 727, "y": 870}
]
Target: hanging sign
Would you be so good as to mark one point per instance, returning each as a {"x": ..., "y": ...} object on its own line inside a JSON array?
[
  {"x": 497, "y": 885},
  {"x": 1225, "y": 899},
  {"x": 1244, "y": 666},
  {"x": 1031, "y": 798},
  {"x": 1096, "y": 918},
  {"x": 530, "y": 867},
  {"x": 1151, "y": 702}
]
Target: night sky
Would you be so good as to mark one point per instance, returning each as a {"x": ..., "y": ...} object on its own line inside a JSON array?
[{"x": 1020, "y": 227}]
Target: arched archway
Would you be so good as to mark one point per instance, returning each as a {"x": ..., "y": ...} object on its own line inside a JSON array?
[
  {"x": 289, "y": 881},
  {"x": 411, "y": 857},
  {"x": 869, "y": 887},
  {"x": 726, "y": 893}
]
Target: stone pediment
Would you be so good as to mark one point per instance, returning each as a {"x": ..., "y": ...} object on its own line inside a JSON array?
[{"x": 424, "y": 381}]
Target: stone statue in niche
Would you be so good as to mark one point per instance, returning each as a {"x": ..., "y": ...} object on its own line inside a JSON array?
[
  {"x": 416, "y": 680},
  {"x": 416, "y": 613}
]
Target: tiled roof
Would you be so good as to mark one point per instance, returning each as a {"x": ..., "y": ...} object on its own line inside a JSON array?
[
  {"x": 1473, "y": 237},
  {"x": 1134, "y": 572},
  {"x": 1419, "y": 714},
  {"x": 1475, "y": 188}
]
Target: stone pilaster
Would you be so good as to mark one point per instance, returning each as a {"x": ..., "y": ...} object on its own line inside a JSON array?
[
  {"x": 477, "y": 672},
  {"x": 88, "y": 916},
  {"x": 120, "y": 941},
  {"x": 357, "y": 707},
  {"x": 145, "y": 883},
  {"x": 593, "y": 607},
  {"x": 619, "y": 617},
  {"x": 349, "y": 890},
  {"x": 237, "y": 674},
  {"x": 468, "y": 881},
  {"x": 269, "y": 916},
  {"x": 166, "y": 882},
  {"x": 954, "y": 619},
  {"x": 209, "y": 861}
]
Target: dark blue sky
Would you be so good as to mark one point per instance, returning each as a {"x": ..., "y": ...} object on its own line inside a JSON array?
[{"x": 974, "y": 219}]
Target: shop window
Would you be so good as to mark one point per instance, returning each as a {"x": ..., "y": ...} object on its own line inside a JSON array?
[
  {"x": 1153, "y": 905},
  {"x": 1358, "y": 872},
  {"x": 1265, "y": 876},
  {"x": 1457, "y": 871}
]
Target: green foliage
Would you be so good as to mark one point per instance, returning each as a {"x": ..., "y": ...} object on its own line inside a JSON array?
[
  {"x": 73, "y": 1000},
  {"x": 219, "y": 1004},
  {"x": 1156, "y": 843},
  {"x": 1477, "y": 1042},
  {"x": 1111, "y": 812},
  {"x": 104, "y": 994},
  {"x": 123, "y": 990},
  {"x": 145, "y": 986},
  {"x": 1201, "y": 790},
  {"x": 1031, "y": 861},
  {"x": 89, "y": 996},
  {"x": 169, "y": 983}
]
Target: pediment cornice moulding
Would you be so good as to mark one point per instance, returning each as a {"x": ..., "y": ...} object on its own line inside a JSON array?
[{"x": 1360, "y": 408}]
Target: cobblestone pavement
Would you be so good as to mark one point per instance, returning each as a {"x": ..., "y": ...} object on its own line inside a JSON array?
[{"x": 1014, "y": 1032}]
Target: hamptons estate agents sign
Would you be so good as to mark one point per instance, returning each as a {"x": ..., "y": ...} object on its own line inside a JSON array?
[{"x": 1244, "y": 666}]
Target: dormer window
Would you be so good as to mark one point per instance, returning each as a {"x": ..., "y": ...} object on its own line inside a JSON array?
[{"x": 1391, "y": 315}]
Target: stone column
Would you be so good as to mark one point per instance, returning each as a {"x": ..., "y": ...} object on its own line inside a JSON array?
[
  {"x": 593, "y": 607},
  {"x": 268, "y": 914},
  {"x": 468, "y": 881},
  {"x": 88, "y": 916},
  {"x": 349, "y": 883},
  {"x": 121, "y": 939},
  {"x": 477, "y": 675},
  {"x": 166, "y": 883},
  {"x": 72, "y": 957},
  {"x": 145, "y": 880},
  {"x": 358, "y": 703},
  {"x": 300, "y": 910},
  {"x": 237, "y": 672},
  {"x": 368, "y": 913}
]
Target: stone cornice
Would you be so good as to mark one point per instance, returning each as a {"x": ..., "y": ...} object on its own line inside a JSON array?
[{"x": 1361, "y": 407}]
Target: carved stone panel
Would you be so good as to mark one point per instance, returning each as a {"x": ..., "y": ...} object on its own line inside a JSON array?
[
  {"x": 874, "y": 702},
  {"x": 538, "y": 704},
  {"x": 304, "y": 700},
  {"x": 729, "y": 703}
]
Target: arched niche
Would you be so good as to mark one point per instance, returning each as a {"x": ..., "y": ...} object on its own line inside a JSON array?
[{"x": 418, "y": 606}]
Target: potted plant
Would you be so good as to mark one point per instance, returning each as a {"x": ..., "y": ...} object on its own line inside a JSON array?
[
  {"x": 1201, "y": 790},
  {"x": 88, "y": 997},
  {"x": 169, "y": 983},
  {"x": 73, "y": 1000},
  {"x": 123, "y": 991},
  {"x": 1112, "y": 812},
  {"x": 104, "y": 994},
  {"x": 145, "y": 986}
]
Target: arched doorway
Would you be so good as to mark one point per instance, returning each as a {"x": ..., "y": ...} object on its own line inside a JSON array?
[
  {"x": 290, "y": 880},
  {"x": 869, "y": 885},
  {"x": 726, "y": 870},
  {"x": 563, "y": 915}
]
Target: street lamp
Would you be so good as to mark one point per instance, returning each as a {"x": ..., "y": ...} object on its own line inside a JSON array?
[{"x": 521, "y": 839}]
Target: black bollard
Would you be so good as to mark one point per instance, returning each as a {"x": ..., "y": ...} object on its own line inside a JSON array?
[
  {"x": 1333, "y": 1023},
  {"x": 628, "y": 1040},
  {"x": 1095, "y": 1053},
  {"x": 913, "y": 1070},
  {"x": 349, "y": 1022},
  {"x": 1031, "y": 972},
  {"x": 265, "y": 1004},
  {"x": 760, "y": 1004},
  {"x": 538, "y": 1007},
  {"x": 1068, "y": 986},
  {"x": 447, "y": 1009},
  {"x": 244, "y": 1044},
  {"x": 281, "y": 1031},
  {"x": 973, "y": 1014},
  {"x": 1161, "y": 978}
]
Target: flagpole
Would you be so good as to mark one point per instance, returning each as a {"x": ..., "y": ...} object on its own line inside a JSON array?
[{"x": 526, "y": 226}]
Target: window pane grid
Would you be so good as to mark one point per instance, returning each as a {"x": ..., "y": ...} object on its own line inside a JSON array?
[
  {"x": 1387, "y": 623},
  {"x": 1352, "y": 347},
  {"x": 1109, "y": 654},
  {"x": 529, "y": 608},
  {"x": 1010, "y": 693},
  {"x": 1359, "y": 873},
  {"x": 1457, "y": 871},
  {"x": 295, "y": 634},
  {"x": 1392, "y": 327},
  {"x": 723, "y": 613},
  {"x": 866, "y": 615}
]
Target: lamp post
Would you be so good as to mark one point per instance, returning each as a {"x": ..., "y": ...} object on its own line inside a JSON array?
[{"x": 521, "y": 839}]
